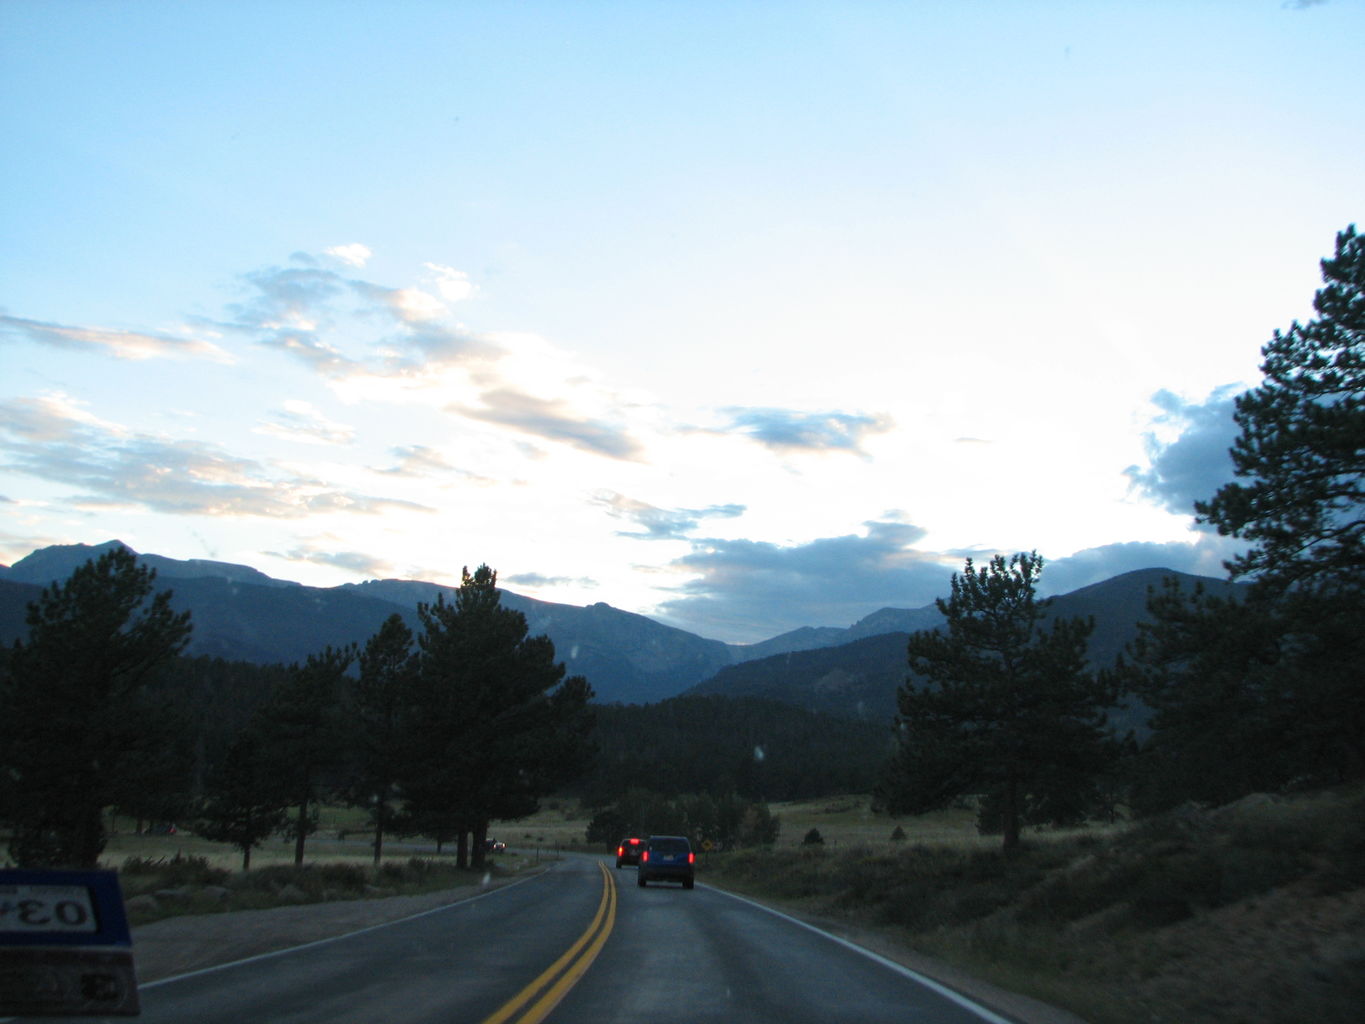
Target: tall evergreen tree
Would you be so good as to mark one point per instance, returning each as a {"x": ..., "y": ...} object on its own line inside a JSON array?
[
  {"x": 75, "y": 709},
  {"x": 301, "y": 728},
  {"x": 245, "y": 799},
  {"x": 999, "y": 703},
  {"x": 498, "y": 726},
  {"x": 1275, "y": 680},
  {"x": 1301, "y": 451},
  {"x": 381, "y": 721}
]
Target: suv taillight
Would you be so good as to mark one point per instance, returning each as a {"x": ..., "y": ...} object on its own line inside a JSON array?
[
  {"x": 644, "y": 857},
  {"x": 620, "y": 850},
  {"x": 691, "y": 857}
]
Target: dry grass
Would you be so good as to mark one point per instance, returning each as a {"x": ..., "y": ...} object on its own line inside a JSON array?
[{"x": 1253, "y": 913}]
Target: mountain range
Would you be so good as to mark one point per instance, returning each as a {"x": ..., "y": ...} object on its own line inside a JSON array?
[{"x": 242, "y": 614}]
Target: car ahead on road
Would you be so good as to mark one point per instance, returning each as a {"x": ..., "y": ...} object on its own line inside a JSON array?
[
  {"x": 628, "y": 850},
  {"x": 667, "y": 859}
]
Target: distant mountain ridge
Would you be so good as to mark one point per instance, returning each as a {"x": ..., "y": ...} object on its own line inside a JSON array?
[
  {"x": 240, "y": 613},
  {"x": 860, "y": 678}
]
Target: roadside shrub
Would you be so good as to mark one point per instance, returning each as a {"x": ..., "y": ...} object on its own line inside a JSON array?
[
  {"x": 813, "y": 838},
  {"x": 172, "y": 871},
  {"x": 346, "y": 877}
]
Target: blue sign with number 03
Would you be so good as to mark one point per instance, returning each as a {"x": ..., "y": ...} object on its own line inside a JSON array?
[{"x": 65, "y": 947}]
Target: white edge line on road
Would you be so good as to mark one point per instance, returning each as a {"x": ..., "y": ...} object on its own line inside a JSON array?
[
  {"x": 951, "y": 994},
  {"x": 323, "y": 942}
]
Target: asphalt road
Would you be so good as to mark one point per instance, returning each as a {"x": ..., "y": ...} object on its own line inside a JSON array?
[{"x": 578, "y": 943}]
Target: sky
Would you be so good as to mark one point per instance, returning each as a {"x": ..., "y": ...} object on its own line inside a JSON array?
[{"x": 745, "y": 316}]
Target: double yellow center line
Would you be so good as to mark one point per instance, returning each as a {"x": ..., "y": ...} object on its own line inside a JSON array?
[{"x": 546, "y": 991}]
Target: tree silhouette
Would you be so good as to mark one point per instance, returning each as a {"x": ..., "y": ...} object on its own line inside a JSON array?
[
  {"x": 301, "y": 730},
  {"x": 1301, "y": 451},
  {"x": 496, "y": 724},
  {"x": 380, "y": 720},
  {"x": 77, "y": 713},
  {"x": 1265, "y": 693},
  {"x": 245, "y": 799},
  {"x": 997, "y": 705}
]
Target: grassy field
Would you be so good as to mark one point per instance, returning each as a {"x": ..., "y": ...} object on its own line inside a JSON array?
[{"x": 165, "y": 875}]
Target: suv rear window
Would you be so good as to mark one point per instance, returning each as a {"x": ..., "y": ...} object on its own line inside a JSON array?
[{"x": 670, "y": 845}]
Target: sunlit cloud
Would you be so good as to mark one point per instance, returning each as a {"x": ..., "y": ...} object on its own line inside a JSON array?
[
  {"x": 658, "y": 523},
  {"x": 418, "y": 462},
  {"x": 789, "y": 430},
  {"x": 351, "y": 561},
  {"x": 344, "y": 327},
  {"x": 300, "y": 422},
  {"x": 55, "y": 417},
  {"x": 376, "y": 343},
  {"x": 54, "y": 440},
  {"x": 135, "y": 345},
  {"x": 454, "y": 285},
  {"x": 535, "y": 580},
  {"x": 553, "y": 420},
  {"x": 353, "y": 255}
]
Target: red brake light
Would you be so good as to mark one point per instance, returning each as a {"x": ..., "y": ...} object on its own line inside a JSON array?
[
  {"x": 691, "y": 857},
  {"x": 620, "y": 850},
  {"x": 644, "y": 857}
]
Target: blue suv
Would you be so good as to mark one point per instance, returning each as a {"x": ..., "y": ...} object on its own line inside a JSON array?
[{"x": 667, "y": 859}]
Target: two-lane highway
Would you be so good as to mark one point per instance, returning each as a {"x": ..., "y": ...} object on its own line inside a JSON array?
[{"x": 577, "y": 943}]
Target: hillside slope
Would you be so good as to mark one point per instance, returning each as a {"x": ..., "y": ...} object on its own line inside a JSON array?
[{"x": 860, "y": 679}]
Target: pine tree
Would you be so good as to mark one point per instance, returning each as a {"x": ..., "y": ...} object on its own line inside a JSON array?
[
  {"x": 497, "y": 724},
  {"x": 245, "y": 799},
  {"x": 301, "y": 728},
  {"x": 381, "y": 718},
  {"x": 75, "y": 706},
  {"x": 997, "y": 704},
  {"x": 1301, "y": 451},
  {"x": 1275, "y": 680}
]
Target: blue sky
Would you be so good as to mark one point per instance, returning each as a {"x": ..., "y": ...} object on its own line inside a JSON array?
[{"x": 745, "y": 316}]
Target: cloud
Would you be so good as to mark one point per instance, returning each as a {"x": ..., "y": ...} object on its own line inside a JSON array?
[
  {"x": 352, "y": 561},
  {"x": 659, "y": 523},
  {"x": 454, "y": 285},
  {"x": 298, "y": 421},
  {"x": 288, "y": 309},
  {"x": 535, "y": 579},
  {"x": 121, "y": 344},
  {"x": 375, "y": 343},
  {"x": 417, "y": 462},
  {"x": 1195, "y": 463},
  {"x": 551, "y": 420},
  {"x": 1302, "y": 5},
  {"x": 1203, "y": 556},
  {"x": 750, "y": 590},
  {"x": 353, "y": 255},
  {"x": 54, "y": 439},
  {"x": 745, "y": 590},
  {"x": 306, "y": 310},
  {"x": 787, "y": 430}
]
